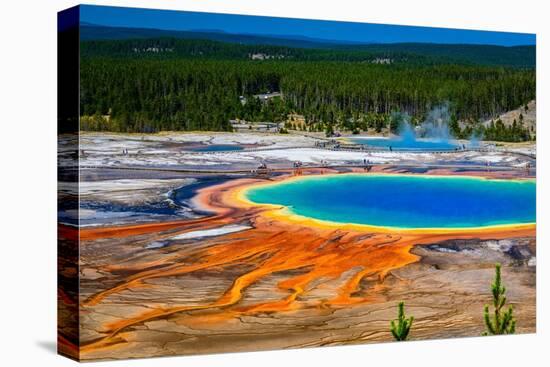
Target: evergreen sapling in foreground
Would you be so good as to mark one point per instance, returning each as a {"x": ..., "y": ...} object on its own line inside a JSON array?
[
  {"x": 400, "y": 328},
  {"x": 502, "y": 322}
]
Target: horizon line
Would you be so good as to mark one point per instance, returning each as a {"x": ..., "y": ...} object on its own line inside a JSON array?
[
  {"x": 297, "y": 37},
  {"x": 315, "y": 29}
]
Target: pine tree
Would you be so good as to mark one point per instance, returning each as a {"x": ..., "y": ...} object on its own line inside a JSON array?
[
  {"x": 329, "y": 131},
  {"x": 503, "y": 322},
  {"x": 400, "y": 328}
]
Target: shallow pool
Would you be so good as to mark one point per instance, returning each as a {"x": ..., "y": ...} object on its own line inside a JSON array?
[
  {"x": 406, "y": 144},
  {"x": 217, "y": 148}
]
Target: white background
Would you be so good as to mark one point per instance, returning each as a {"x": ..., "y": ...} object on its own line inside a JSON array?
[{"x": 28, "y": 181}]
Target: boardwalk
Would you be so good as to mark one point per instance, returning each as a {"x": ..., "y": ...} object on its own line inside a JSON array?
[{"x": 308, "y": 167}]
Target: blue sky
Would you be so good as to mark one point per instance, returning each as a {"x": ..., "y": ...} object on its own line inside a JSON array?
[{"x": 327, "y": 30}]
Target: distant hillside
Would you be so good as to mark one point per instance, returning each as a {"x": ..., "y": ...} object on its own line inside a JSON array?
[
  {"x": 171, "y": 48},
  {"x": 94, "y": 32},
  {"x": 529, "y": 117},
  {"x": 517, "y": 56}
]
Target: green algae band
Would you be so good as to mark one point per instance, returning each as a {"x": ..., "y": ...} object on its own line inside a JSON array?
[{"x": 404, "y": 201}]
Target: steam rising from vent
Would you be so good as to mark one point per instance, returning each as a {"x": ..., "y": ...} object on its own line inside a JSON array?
[
  {"x": 433, "y": 134},
  {"x": 435, "y": 127},
  {"x": 475, "y": 140}
]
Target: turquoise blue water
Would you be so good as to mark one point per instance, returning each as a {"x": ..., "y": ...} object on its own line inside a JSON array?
[
  {"x": 405, "y": 201},
  {"x": 217, "y": 148},
  {"x": 406, "y": 144}
]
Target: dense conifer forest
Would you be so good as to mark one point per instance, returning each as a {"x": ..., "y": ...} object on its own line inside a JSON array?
[{"x": 168, "y": 84}]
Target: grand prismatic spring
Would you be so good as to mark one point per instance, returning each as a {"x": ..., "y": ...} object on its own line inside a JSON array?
[{"x": 404, "y": 201}]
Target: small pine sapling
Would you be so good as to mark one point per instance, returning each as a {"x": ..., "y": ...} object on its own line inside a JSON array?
[
  {"x": 400, "y": 328},
  {"x": 503, "y": 321}
]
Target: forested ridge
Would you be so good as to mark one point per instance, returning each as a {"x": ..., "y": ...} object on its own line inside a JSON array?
[
  {"x": 144, "y": 87},
  {"x": 409, "y": 53},
  {"x": 171, "y": 48},
  {"x": 108, "y": 37}
]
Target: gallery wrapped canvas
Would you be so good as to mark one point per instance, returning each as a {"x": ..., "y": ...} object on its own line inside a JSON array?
[{"x": 237, "y": 183}]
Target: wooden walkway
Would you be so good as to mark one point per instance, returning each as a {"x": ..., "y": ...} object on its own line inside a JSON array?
[{"x": 309, "y": 167}]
